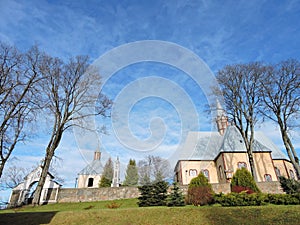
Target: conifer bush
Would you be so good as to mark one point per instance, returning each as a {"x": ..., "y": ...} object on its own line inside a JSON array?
[
  {"x": 289, "y": 186},
  {"x": 153, "y": 194},
  {"x": 242, "y": 181},
  {"x": 176, "y": 197},
  {"x": 200, "y": 191}
]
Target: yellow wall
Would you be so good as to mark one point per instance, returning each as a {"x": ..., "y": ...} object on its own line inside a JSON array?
[
  {"x": 184, "y": 170},
  {"x": 285, "y": 166},
  {"x": 220, "y": 172},
  {"x": 229, "y": 161},
  {"x": 264, "y": 165}
]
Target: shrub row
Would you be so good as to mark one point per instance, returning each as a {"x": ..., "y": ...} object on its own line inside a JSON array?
[{"x": 256, "y": 199}]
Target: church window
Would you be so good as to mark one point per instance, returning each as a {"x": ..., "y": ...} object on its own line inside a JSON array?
[
  {"x": 91, "y": 182},
  {"x": 277, "y": 171},
  {"x": 242, "y": 165},
  {"x": 193, "y": 172},
  {"x": 206, "y": 174},
  {"x": 221, "y": 172},
  {"x": 268, "y": 177},
  {"x": 292, "y": 175}
]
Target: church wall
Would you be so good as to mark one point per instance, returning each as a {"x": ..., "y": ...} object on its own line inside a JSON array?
[
  {"x": 220, "y": 167},
  {"x": 233, "y": 160},
  {"x": 285, "y": 168},
  {"x": 228, "y": 162},
  {"x": 187, "y": 170},
  {"x": 83, "y": 181},
  {"x": 264, "y": 166}
]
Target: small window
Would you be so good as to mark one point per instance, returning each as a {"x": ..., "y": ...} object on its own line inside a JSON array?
[
  {"x": 221, "y": 172},
  {"x": 206, "y": 174},
  {"x": 242, "y": 165},
  {"x": 277, "y": 171},
  {"x": 91, "y": 182},
  {"x": 292, "y": 174},
  {"x": 268, "y": 177},
  {"x": 193, "y": 173}
]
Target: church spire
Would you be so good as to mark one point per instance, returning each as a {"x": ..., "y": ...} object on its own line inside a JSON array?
[
  {"x": 97, "y": 153},
  {"x": 222, "y": 119}
]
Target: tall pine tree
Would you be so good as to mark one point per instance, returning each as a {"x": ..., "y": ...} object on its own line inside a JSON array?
[
  {"x": 107, "y": 175},
  {"x": 132, "y": 176}
]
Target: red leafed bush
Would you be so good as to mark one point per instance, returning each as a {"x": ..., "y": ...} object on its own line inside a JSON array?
[
  {"x": 200, "y": 196},
  {"x": 239, "y": 189}
]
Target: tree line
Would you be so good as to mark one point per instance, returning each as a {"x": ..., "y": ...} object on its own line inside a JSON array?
[
  {"x": 35, "y": 85},
  {"x": 149, "y": 170},
  {"x": 259, "y": 92}
]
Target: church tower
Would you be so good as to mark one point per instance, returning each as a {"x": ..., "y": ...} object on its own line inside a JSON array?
[
  {"x": 222, "y": 119},
  {"x": 97, "y": 155},
  {"x": 116, "y": 176}
]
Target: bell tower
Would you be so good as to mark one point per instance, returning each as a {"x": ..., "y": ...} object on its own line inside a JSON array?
[{"x": 221, "y": 119}]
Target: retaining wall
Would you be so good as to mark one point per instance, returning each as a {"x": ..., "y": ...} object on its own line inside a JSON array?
[{"x": 113, "y": 193}]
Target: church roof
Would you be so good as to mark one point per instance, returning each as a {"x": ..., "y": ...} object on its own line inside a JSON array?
[
  {"x": 207, "y": 145},
  {"x": 94, "y": 168}
]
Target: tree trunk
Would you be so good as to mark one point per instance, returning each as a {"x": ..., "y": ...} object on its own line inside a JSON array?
[
  {"x": 2, "y": 166},
  {"x": 45, "y": 169},
  {"x": 289, "y": 147}
]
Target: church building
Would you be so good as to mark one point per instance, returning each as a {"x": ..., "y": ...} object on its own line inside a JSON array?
[
  {"x": 219, "y": 154},
  {"x": 90, "y": 176}
]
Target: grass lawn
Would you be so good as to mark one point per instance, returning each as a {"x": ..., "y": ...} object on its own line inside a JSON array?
[{"x": 129, "y": 213}]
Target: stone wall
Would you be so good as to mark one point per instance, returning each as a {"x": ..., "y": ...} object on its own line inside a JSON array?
[
  {"x": 270, "y": 187},
  {"x": 113, "y": 193},
  {"x": 96, "y": 194}
]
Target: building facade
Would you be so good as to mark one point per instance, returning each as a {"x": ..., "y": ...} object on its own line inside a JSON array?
[
  {"x": 90, "y": 176},
  {"x": 219, "y": 154}
]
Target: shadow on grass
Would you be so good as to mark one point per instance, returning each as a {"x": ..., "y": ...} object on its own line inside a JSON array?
[{"x": 33, "y": 218}]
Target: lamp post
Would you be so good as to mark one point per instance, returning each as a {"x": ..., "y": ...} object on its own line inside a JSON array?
[{"x": 229, "y": 174}]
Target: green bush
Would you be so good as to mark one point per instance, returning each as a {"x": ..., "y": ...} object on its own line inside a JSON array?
[
  {"x": 256, "y": 199},
  {"x": 289, "y": 186},
  {"x": 243, "y": 178},
  {"x": 153, "y": 194},
  {"x": 200, "y": 191},
  {"x": 283, "y": 199},
  {"x": 175, "y": 198}
]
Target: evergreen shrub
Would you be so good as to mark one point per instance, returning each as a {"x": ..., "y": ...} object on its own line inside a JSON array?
[
  {"x": 176, "y": 197},
  {"x": 289, "y": 186},
  {"x": 242, "y": 181},
  {"x": 153, "y": 194}
]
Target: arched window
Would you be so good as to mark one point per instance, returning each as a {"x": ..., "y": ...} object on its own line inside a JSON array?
[
  {"x": 277, "y": 171},
  {"x": 206, "y": 174},
  {"x": 193, "y": 173},
  {"x": 91, "y": 182},
  {"x": 292, "y": 174},
  {"x": 242, "y": 165},
  {"x": 221, "y": 172},
  {"x": 268, "y": 177}
]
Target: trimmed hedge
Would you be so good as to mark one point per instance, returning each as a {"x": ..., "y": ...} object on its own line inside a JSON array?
[{"x": 256, "y": 199}]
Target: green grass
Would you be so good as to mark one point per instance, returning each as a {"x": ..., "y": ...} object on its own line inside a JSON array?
[{"x": 129, "y": 213}]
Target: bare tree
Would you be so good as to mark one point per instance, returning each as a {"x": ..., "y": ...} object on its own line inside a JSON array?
[
  {"x": 66, "y": 90},
  {"x": 18, "y": 77},
  {"x": 13, "y": 175},
  {"x": 239, "y": 85},
  {"x": 153, "y": 168},
  {"x": 281, "y": 102}
]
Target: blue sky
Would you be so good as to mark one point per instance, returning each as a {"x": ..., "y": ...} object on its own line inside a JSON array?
[{"x": 218, "y": 32}]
